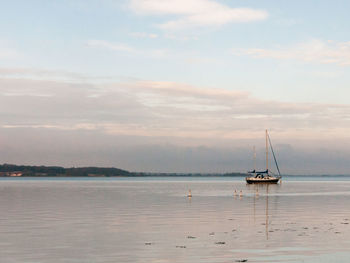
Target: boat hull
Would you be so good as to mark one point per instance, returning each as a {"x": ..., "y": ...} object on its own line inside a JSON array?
[{"x": 262, "y": 181}]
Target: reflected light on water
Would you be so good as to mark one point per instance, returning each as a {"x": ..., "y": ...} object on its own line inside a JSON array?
[{"x": 153, "y": 220}]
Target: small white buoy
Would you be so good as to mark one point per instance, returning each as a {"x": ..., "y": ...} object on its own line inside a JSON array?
[{"x": 189, "y": 193}]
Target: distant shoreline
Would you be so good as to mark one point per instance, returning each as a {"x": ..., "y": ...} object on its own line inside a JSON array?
[{"x": 12, "y": 170}]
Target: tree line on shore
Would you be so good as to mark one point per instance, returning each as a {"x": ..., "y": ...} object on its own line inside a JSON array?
[{"x": 28, "y": 170}]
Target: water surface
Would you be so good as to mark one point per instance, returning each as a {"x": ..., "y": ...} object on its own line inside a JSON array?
[{"x": 152, "y": 220}]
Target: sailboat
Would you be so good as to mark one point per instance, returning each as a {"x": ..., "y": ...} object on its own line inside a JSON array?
[{"x": 264, "y": 176}]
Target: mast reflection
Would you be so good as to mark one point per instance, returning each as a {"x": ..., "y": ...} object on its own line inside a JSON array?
[{"x": 262, "y": 191}]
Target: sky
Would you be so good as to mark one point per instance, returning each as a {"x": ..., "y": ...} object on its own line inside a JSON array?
[{"x": 175, "y": 86}]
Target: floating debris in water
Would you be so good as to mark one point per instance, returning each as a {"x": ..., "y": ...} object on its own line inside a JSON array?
[
  {"x": 302, "y": 234},
  {"x": 148, "y": 243},
  {"x": 290, "y": 229},
  {"x": 241, "y": 260},
  {"x": 191, "y": 237},
  {"x": 211, "y": 233},
  {"x": 220, "y": 243},
  {"x": 180, "y": 246}
]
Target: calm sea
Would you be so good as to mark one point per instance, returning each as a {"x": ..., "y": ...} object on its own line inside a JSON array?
[{"x": 119, "y": 220}]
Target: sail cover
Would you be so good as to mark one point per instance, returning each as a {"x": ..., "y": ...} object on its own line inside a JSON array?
[{"x": 263, "y": 172}]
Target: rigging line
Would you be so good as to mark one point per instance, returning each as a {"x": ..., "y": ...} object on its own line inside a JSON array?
[{"x": 274, "y": 157}]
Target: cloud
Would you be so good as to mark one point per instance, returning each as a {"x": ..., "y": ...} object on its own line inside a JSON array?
[
  {"x": 91, "y": 147},
  {"x": 314, "y": 51},
  {"x": 127, "y": 49},
  {"x": 8, "y": 53},
  {"x": 111, "y": 46},
  {"x": 51, "y": 75},
  {"x": 135, "y": 124},
  {"x": 156, "y": 109},
  {"x": 143, "y": 35},
  {"x": 195, "y": 13},
  {"x": 180, "y": 38},
  {"x": 190, "y": 57}
]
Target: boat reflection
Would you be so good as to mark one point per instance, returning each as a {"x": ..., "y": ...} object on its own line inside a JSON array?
[{"x": 261, "y": 191}]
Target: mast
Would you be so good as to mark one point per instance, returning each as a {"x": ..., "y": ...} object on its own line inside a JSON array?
[
  {"x": 254, "y": 158},
  {"x": 267, "y": 154}
]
